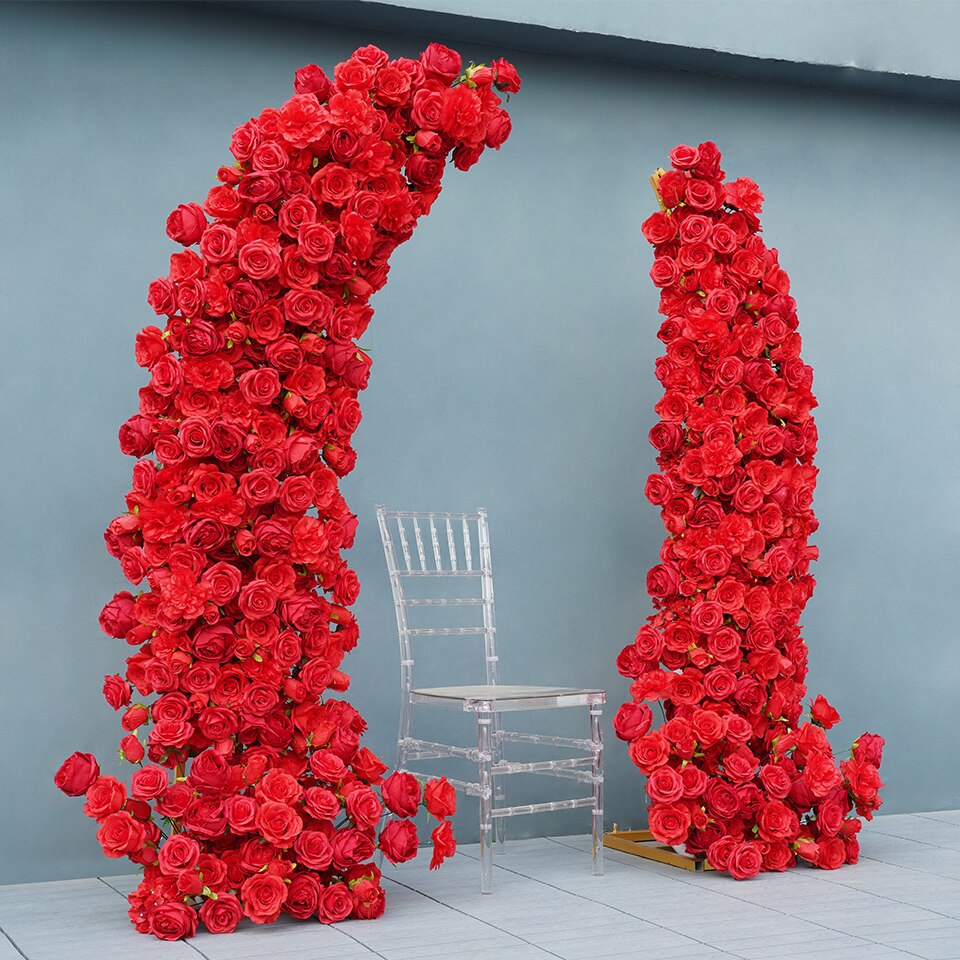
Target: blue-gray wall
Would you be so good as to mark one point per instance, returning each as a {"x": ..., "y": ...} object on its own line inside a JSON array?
[{"x": 514, "y": 349}]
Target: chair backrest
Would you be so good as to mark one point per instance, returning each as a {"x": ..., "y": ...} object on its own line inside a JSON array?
[{"x": 435, "y": 547}]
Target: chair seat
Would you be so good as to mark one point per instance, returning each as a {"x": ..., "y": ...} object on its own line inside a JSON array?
[{"x": 497, "y": 698}]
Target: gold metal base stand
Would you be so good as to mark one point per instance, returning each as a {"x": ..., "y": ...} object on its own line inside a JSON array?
[{"x": 641, "y": 843}]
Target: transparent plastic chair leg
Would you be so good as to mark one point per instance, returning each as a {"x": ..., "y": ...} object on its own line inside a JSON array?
[
  {"x": 596, "y": 736},
  {"x": 484, "y": 744},
  {"x": 499, "y": 792}
]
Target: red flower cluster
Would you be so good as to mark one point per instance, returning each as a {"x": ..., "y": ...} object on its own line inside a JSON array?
[
  {"x": 733, "y": 773},
  {"x": 237, "y": 524}
]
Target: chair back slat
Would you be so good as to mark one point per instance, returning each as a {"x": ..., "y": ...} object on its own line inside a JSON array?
[
  {"x": 435, "y": 543},
  {"x": 419, "y": 538},
  {"x": 451, "y": 546},
  {"x": 467, "y": 550},
  {"x": 439, "y": 592}
]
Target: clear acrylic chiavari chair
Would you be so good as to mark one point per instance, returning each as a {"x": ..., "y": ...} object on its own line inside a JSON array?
[{"x": 454, "y": 548}]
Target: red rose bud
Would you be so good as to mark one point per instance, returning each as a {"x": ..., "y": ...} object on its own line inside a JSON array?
[
  {"x": 134, "y": 717},
  {"x": 117, "y": 617},
  {"x": 507, "y": 78},
  {"x": 311, "y": 79},
  {"x": 632, "y": 720},
  {"x": 823, "y": 714},
  {"x": 131, "y": 748},
  {"x": 186, "y": 224},
  {"x": 401, "y": 793},
  {"x": 441, "y": 62},
  {"x": 76, "y": 774}
]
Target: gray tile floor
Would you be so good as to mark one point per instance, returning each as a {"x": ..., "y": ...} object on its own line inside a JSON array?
[{"x": 901, "y": 900}]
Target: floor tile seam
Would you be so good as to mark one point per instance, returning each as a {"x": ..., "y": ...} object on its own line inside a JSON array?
[
  {"x": 782, "y": 913},
  {"x": 896, "y": 836},
  {"x": 350, "y": 936},
  {"x": 470, "y": 916},
  {"x": 898, "y": 866},
  {"x": 610, "y": 906},
  {"x": 13, "y": 943}
]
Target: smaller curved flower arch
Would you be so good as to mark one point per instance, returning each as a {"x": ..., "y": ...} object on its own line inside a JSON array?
[{"x": 735, "y": 773}]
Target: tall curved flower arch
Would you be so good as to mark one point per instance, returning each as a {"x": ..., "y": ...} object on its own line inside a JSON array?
[
  {"x": 252, "y": 794},
  {"x": 735, "y": 773}
]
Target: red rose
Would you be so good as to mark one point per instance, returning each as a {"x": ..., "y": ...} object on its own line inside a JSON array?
[
  {"x": 117, "y": 617},
  {"x": 444, "y": 844},
  {"x": 313, "y": 850},
  {"x": 148, "y": 782},
  {"x": 327, "y": 766},
  {"x": 664, "y": 785},
  {"x": 278, "y": 823},
  {"x": 399, "y": 841},
  {"x": 179, "y": 852},
  {"x": 263, "y": 896},
  {"x": 260, "y": 259},
  {"x": 650, "y": 751},
  {"x": 77, "y": 774},
  {"x": 720, "y": 851},
  {"x": 324, "y": 805},
  {"x": 440, "y": 798},
  {"x": 311, "y": 79},
  {"x": 364, "y": 807},
  {"x": 683, "y": 157},
  {"x": 350, "y": 847},
  {"x": 120, "y": 835},
  {"x": 105, "y": 795},
  {"x": 186, "y": 224},
  {"x": 777, "y": 821},
  {"x": 746, "y": 860},
  {"x": 241, "y": 813},
  {"x": 632, "y": 720},
  {"x": 369, "y": 900},
  {"x": 260, "y": 386},
  {"x": 303, "y": 895},
  {"x": 444, "y": 64},
  {"x": 401, "y": 793},
  {"x": 669, "y": 822},
  {"x": 221, "y": 915},
  {"x": 316, "y": 242},
  {"x": 336, "y": 903},
  {"x": 172, "y": 920}
]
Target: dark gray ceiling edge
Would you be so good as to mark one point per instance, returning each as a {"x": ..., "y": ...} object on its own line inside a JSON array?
[{"x": 389, "y": 18}]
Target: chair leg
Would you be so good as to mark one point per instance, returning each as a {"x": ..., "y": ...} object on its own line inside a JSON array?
[
  {"x": 484, "y": 724},
  {"x": 596, "y": 736},
  {"x": 499, "y": 791}
]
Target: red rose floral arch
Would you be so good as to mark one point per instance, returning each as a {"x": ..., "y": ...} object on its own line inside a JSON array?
[
  {"x": 257, "y": 797},
  {"x": 734, "y": 773}
]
